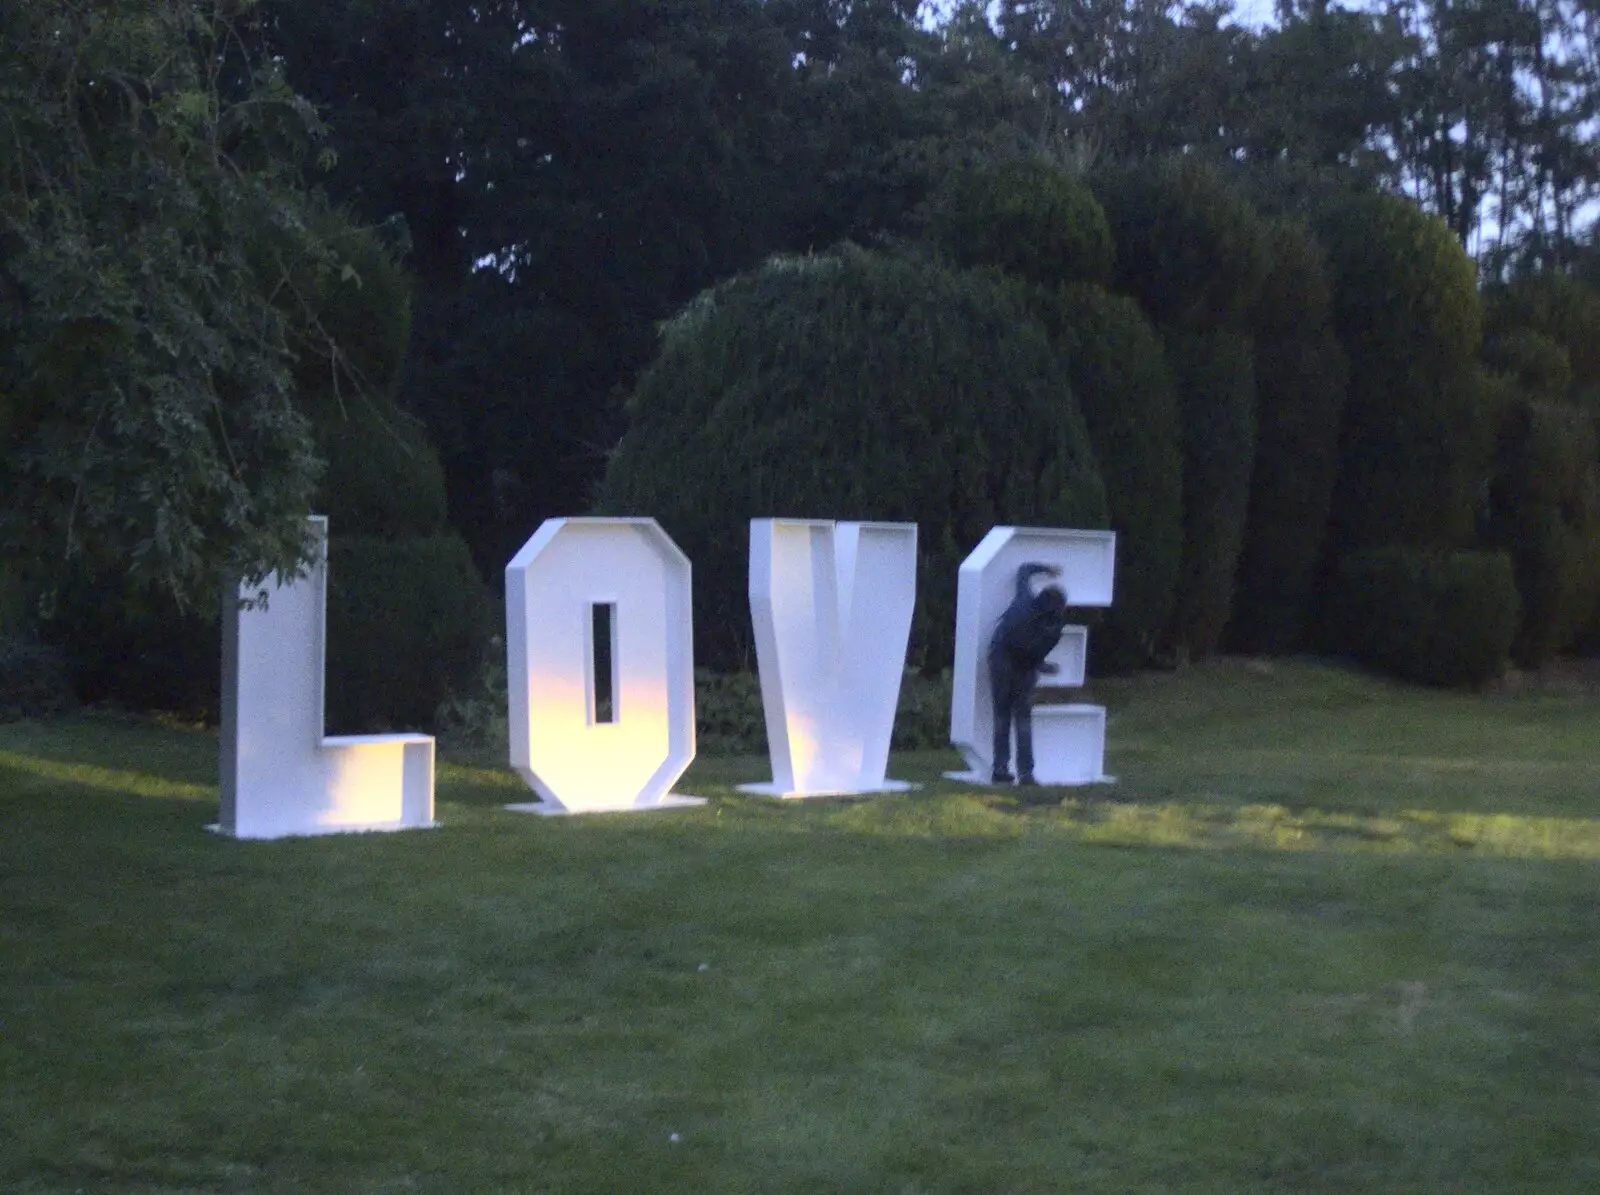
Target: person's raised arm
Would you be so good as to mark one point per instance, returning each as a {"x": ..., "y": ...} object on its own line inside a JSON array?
[{"x": 1027, "y": 572}]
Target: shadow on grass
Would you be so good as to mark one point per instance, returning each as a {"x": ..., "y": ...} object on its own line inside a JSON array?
[{"x": 1208, "y": 813}]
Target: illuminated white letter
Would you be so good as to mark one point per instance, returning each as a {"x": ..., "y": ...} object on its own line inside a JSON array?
[
  {"x": 832, "y": 606},
  {"x": 1069, "y": 739},
  {"x": 600, "y": 666},
  {"x": 280, "y": 774}
]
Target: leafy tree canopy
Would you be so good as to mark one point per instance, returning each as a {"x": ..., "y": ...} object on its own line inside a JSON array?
[{"x": 146, "y": 394}]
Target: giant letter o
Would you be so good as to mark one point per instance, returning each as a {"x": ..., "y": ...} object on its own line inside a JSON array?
[{"x": 600, "y": 665}]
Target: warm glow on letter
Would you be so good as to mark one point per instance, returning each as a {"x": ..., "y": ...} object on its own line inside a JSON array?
[
  {"x": 280, "y": 774},
  {"x": 600, "y": 665}
]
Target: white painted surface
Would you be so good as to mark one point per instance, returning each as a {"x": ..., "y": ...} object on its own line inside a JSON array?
[
  {"x": 1069, "y": 744},
  {"x": 280, "y": 775},
  {"x": 575, "y": 763},
  {"x": 984, "y": 589},
  {"x": 832, "y": 606}
]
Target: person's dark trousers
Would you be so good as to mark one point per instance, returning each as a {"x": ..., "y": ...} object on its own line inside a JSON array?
[{"x": 1009, "y": 686}]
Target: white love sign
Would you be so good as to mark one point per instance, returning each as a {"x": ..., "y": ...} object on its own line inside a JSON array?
[
  {"x": 832, "y": 606},
  {"x": 600, "y": 666},
  {"x": 280, "y": 774}
]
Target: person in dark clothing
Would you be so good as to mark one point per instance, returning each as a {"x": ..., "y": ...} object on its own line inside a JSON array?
[{"x": 1027, "y": 632}]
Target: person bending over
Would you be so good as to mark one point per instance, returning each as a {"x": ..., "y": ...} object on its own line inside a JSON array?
[{"x": 1027, "y": 632}]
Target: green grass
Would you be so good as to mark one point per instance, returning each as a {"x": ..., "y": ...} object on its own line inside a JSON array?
[{"x": 1326, "y": 935}]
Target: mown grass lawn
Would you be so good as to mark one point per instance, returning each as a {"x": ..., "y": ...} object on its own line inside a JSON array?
[{"x": 1326, "y": 934}]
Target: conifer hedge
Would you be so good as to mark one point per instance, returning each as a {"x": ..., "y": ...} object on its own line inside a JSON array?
[
  {"x": 1415, "y": 445},
  {"x": 1535, "y": 362},
  {"x": 1038, "y": 223},
  {"x": 1119, "y": 373},
  {"x": 1544, "y": 510},
  {"x": 1189, "y": 246},
  {"x": 853, "y": 385},
  {"x": 1216, "y": 396},
  {"x": 1029, "y": 218},
  {"x": 1193, "y": 252},
  {"x": 1437, "y": 617},
  {"x": 383, "y": 477},
  {"x": 409, "y": 618},
  {"x": 1560, "y": 310},
  {"x": 1300, "y": 379}
]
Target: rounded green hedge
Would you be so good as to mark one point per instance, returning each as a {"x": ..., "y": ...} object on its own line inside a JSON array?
[
  {"x": 1037, "y": 222},
  {"x": 853, "y": 385},
  {"x": 409, "y": 621},
  {"x": 1119, "y": 374},
  {"x": 1441, "y": 618},
  {"x": 1029, "y": 218},
  {"x": 1189, "y": 246},
  {"x": 1415, "y": 433},
  {"x": 1215, "y": 381},
  {"x": 1301, "y": 377}
]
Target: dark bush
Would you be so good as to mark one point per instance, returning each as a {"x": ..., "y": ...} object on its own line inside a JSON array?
[
  {"x": 851, "y": 386},
  {"x": 475, "y": 716},
  {"x": 1414, "y": 445},
  {"x": 1216, "y": 401},
  {"x": 1560, "y": 309},
  {"x": 350, "y": 308},
  {"x": 1540, "y": 367},
  {"x": 730, "y": 721},
  {"x": 409, "y": 621},
  {"x": 383, "y": 476},
  {"x": 35, "y": 681},
  {"x": 1300, "y": 380},
  {"x": 1189, "y": 247},
  {"x": 922, "y": 720},
  {"x": 408, "y": 616},
  {"x": 1029, "y": 218},
  {"x": 141, "y": 651},
  {"x": 1124, "y": 389},
  {"x": 1544, "y": 510},
  {"x": 1441, "y": 618}
]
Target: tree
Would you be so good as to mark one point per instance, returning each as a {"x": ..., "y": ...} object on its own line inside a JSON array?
[
  {"x": 852, "y": 385},
  {"x": 1321, "y": 89},
  {"x": 572, "y": 172},
  {"x": 151, "y": 431}
]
